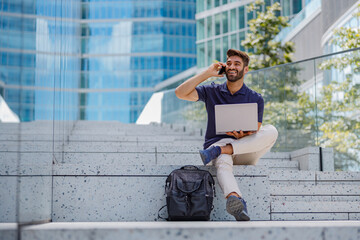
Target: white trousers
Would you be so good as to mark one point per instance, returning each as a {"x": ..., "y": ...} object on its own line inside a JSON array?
[{"x": 247, "y": 151}]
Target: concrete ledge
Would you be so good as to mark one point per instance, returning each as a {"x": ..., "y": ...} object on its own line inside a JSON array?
[
  {"x": 344, "y": 230},
  {"x": 137, "y": 198},
  {"x": 136, "y": 193},
  {"x": 309, "y": 216},
  {"x": 14, "y": 163},
  {"x": 146, "y": 170},
  {"x": 292, "y": 175},
  {"x": 309, "y": 158},
  {"x": 301, "y": 198},
  {"x": 316, "y": 207},
  {"x": 34, "y": 198},
  {"x": 8, "y": 231},
  {"x": 315, "y": 190},
  {"x": 338, "y": 176}
]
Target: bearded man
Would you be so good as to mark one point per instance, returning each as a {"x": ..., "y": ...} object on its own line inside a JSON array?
[{"x": 232, "y": 148}]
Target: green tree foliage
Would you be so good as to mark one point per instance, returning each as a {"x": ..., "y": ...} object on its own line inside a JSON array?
[{"x": 262, "y": 32}]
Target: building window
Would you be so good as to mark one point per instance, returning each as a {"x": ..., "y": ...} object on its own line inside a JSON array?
[
  {"x": 218, "y": 49},
  {"x": 209, "y": 27},
  {"x": 209, "y": 4},
  {"x": 225, "y": 22},
  {"x": 200, "y": 6},
  {"x": 209, "y": 53},
  {"x": 286, "y": 7},
  {"x": 297, "y": 6},
  {"x": 217, "y": 24},
  {"x": 241, "y": 17},
  {"x": 225, "y": 47},
  {"x": 200, "y": 29},
  {"x": 233, "y": 41},
  {"x": 233, "y": 25}
]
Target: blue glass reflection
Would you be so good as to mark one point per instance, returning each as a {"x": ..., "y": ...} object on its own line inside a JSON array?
[{"x": 120, "y": 48}]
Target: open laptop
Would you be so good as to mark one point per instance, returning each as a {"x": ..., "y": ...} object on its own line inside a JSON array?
[{"x": 230, "y": 117}]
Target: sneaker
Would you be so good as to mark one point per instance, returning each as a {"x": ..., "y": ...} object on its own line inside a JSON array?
[
  {"x": 236, "y": 206},
  {"x": 210, "y": 154}
]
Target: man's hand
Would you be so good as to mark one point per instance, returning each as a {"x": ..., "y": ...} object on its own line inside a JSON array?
[
  {"x": 240, "y": 134},
  {"x": 215, "y": 68}
]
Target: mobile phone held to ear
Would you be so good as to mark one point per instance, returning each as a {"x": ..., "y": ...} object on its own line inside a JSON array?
[{"x": 222, "y": 70}]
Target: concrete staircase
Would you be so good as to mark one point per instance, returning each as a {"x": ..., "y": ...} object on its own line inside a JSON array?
[{"x": 103, "y": 172}]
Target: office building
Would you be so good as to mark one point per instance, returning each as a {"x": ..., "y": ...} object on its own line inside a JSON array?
[{"x": 106, "y": 56}]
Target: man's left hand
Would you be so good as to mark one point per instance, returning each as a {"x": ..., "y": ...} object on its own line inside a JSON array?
[{"x": 240, "y": 134}]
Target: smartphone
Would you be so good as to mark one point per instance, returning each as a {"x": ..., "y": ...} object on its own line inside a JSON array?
[{"x": 222, "y": 70}]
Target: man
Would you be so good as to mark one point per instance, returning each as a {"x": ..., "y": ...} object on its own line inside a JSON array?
[{"x": 237, "y": 147}]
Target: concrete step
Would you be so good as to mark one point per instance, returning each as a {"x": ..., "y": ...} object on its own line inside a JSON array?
[
  {"x": 315, "y": 177},
  {"x": 315, "y": 207},
  {"x": 344, "y": 230},
  {"x": 85, "y": 194},
  {"x": 114, "y": 193},
  {"x": 31, "y": 162},
  {"x": 315, "y": 217},
  {"x": 313, "y": 189},
  {"x": 9, "y": 231},
  {"x": 100, "y": 138},
  {"x": 111, "y": 146},
  {"x": 306, "y": 198}
]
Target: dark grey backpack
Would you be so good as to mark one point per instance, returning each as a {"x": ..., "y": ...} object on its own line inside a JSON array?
[{"x": 189, "y": 194}]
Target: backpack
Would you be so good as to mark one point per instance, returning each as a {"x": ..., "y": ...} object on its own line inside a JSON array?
[{"x": 189, "y": 194}]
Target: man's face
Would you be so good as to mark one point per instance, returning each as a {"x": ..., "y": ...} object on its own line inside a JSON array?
[{"x": 235, "y": 69}]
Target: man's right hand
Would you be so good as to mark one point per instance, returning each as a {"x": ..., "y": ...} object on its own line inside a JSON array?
[{"x": 214, "y": 69}]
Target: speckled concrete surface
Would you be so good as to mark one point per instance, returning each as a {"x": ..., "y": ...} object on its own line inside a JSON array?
[
  {"x": 308, "y": 207},
  {"x": 292, "y": 175},
  {"x": 314, "y": 189},
  {"x": 8, "y": 231},
  {"x": 8, "y": 198},
  {"x": 145, "y": 170},
  {"x": 276, "y": 230},
  {"x": 123, "y": 198},
  {"x": 309, "y": 216},
  {"x": 35, "y": 198}
]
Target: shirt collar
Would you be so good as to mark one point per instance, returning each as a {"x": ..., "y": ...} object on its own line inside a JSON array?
[{"x": 242, "y": 91}]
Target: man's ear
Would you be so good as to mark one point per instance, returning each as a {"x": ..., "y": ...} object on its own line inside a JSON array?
[{"x": 246, "y": 69}]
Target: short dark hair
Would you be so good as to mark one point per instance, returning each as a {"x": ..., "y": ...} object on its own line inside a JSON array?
[{"x": 233, "y": 52}]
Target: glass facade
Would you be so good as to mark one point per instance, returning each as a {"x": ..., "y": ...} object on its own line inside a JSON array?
[
  {"x": 230, "y": 24},
  {"x": 305, "y": 111},
  {"x": 108, "y": 54}
]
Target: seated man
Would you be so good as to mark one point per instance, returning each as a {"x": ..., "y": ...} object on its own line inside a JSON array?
[{"x": 235, "y": 147}]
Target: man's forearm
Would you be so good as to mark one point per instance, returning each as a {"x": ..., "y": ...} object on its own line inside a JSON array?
[{"x": 189, "y": 85}]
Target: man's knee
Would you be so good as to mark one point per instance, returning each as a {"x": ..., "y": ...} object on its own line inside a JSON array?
[{"x": 271, "y": 132}]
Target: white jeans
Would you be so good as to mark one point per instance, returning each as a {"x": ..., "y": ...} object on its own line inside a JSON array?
[{"x": 247, "y": 151}]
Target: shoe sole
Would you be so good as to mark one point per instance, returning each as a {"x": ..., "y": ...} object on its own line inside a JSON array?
[{"x": 235, "y": 207}]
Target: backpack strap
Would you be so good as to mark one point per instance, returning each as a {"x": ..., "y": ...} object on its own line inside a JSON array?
[{"x": 167, "y": 219}]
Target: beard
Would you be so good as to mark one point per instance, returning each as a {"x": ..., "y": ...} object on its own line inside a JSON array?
[{"x": 235, "y": 78}]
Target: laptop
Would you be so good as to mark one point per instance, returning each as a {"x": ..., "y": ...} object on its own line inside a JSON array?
[{"x": 230, "y": 117}]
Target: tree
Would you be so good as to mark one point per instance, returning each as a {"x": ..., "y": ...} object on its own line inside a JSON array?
[{"x": 262, "y": 31}]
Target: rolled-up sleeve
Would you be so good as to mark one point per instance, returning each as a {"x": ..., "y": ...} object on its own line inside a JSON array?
[{"x": 201, "y": 92}]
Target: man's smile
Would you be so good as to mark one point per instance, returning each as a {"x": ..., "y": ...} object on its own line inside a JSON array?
[{"x": 232, "y": 72}]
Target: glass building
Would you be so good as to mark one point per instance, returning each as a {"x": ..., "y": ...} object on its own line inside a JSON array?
[
  {"x": 222, "y": 24},
  {"x": 106, "y": 55}
]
